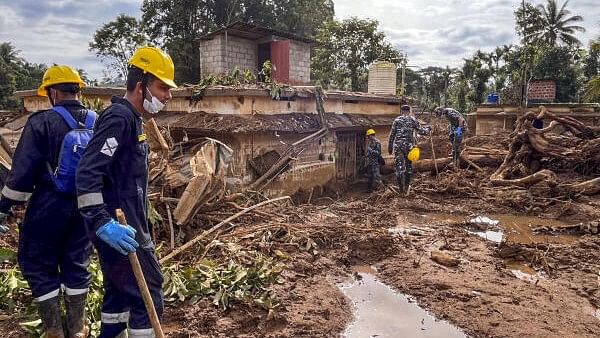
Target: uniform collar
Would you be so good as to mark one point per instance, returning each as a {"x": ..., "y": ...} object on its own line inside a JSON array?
[
  {"x": 123, "y": 101},
  {"x": 70, "y": 103}
]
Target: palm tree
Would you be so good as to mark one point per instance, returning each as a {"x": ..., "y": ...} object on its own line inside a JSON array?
[
  {"x": 9, "y": 54},
  {"x": 556, "y": 26}
]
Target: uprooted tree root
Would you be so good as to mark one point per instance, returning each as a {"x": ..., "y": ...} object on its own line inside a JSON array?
[{"x": 536, "y": 155}]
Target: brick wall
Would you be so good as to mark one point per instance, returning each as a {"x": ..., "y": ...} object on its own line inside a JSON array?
[
  {"x": 541, "y": 91},
  {"x": 299, "y": 63}
]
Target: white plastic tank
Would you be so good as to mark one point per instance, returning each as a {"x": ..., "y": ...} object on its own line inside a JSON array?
[{"x": 382, "y": 78}]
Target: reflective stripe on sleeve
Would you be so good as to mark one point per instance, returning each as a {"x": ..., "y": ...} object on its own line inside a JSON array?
[
  {"x": 15, "y": 195},
  {"x": 86, "y": 200}
]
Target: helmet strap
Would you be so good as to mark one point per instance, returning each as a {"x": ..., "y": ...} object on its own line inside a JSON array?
[
  {"x": 49, "y": 93},
  {"x": 144, "y": 85}
]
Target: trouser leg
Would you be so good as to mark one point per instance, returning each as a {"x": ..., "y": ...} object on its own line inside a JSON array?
[{"x": 123, "y": 293}]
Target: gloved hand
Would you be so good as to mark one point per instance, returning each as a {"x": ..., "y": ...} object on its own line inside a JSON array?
[
  {"x": 120, "y": 237},
  {"x": 458, "y": 132},
  {"x": 3, "y": 226}
]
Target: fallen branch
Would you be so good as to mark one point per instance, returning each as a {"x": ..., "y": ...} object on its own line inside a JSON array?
[{"x": 216, "y": 227}]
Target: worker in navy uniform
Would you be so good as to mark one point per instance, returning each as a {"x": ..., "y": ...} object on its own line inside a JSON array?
[
  {"x": 54, "y": 249},
  {"x": 457, "y": 126},
  {"x": 112, "y": 174},
  {"x": 401, "y": 141},
  {"x": 373, "y": 159}
]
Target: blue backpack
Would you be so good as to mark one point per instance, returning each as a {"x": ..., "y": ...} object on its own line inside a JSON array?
[{"x": 71, "y": 150}]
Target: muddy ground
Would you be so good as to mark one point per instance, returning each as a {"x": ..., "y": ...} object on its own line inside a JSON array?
[
  {"x": 557, "y": 294},
  {"x": 481, "y": 295}
]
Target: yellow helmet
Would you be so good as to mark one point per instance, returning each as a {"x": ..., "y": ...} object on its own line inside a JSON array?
[
  {"x": 370, "y": 132},
  {"x": 57, "y": 75},
  {"x": 414, "y": 154},
  {"x": 155, "y": 62}
]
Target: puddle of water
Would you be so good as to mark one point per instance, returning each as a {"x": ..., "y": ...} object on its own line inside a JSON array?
[
  {"x": 493, "y": 236},
  {"x": 364, "y": 269},
  {"x": 382, "y": 312},
  {"x": 517, "y": 229}
]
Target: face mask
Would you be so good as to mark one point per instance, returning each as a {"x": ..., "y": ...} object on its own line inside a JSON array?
[{"x": 153, "y": 106}]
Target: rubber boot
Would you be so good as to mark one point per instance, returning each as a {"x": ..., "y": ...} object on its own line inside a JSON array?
[
  {"x": 401, "y": 184},
  {"x": 116, "y": 330},
  {"x": 76, "y": 317},
  {"x": 49, "y": 311},
  {"x": 407, "y": 178}
]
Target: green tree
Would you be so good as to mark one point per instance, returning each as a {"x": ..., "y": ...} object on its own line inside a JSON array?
[
  {"x": 16, "y": 74},
  {"x": 115, "y": 42},
  {"x": 557, "y": 63},
  {"x": 177, "y": 25},
  {"x": 592, "y": 72},
  {"x": 344, "y": 51},
  {"x": 548, "y": 25}
]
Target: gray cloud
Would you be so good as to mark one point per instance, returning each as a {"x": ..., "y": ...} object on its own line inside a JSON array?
[
  {"x": 59, "y": 31},
  {"x": 431, "y": 32},
  {"x": 444, "y": 32}
]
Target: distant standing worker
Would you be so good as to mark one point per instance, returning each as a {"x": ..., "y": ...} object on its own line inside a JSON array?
[
  {"x": 373, "y": 160},
  {"x": 456, "y": 129},
  {"x": 113, "y": 173},
  {"x": 54, "y": 249},
  {"x": 401, "y": 141}
]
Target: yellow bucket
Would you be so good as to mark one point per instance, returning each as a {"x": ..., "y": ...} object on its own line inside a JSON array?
[{"x": 414, "y": 154}]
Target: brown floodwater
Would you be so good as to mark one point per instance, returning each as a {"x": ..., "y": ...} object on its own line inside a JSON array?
[
  {"x": 379, "y": 311},
  {"x": 514, "y": 229}
]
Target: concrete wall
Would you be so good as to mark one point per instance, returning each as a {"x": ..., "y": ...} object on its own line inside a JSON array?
[
  {"x": 221, "y": 54},
  {"x": 211, "y": 56},
  {"x": 299, "y": 63}
]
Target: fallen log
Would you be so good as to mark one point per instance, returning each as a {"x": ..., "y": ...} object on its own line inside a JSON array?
[
  {"x": 479, "y": 160},
  {"x": 590, "y": 187},
  {"x": 543, "y": 175}
]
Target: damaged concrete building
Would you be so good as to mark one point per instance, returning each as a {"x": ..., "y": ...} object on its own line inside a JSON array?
[{"x": 259, "y": 128}]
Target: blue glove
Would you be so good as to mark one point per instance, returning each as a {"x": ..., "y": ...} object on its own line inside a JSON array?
[
  {"x": 120, "y": 237},
  {"x": 458, "y": 132}
]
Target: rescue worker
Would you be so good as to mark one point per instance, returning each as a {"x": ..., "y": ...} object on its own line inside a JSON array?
[
  {"x": 54, "y": 248},
  {"x": 456, "y": 128},
  {"x": 373, "y": 160},
  {"x": 112, "y": 174},
  {"x": 401, "y": 141}
]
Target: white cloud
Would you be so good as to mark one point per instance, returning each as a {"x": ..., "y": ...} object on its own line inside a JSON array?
[
  {"x": 444, "y": 32},
  {"x": 431, "y": 32}
]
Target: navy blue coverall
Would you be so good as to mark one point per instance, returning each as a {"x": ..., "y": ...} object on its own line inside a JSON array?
[
  {"x": 113, "y": 173},
  {"x": 54, "y": 248}
]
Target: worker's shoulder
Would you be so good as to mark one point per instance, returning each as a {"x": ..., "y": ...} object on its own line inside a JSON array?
[
  {"x": 41, "y": 116},
  {"x": 118, "y": 110}
]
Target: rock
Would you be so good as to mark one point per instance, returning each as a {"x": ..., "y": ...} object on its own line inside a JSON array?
[{"x": 444, "y": 258}]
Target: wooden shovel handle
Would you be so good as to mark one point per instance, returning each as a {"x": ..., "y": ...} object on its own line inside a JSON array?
[{"x": 141, "y": 282}]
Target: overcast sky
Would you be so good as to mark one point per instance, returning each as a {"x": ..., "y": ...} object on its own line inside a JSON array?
[{"x": 431, "y": 32}]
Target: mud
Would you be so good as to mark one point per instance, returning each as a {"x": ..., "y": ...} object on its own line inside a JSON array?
[{"x": 527, "y": 285}]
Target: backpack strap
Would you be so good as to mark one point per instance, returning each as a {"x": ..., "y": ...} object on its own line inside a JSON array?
[
  {"x": 66, "y": 115},
  {"x": 90, "y": 119}
]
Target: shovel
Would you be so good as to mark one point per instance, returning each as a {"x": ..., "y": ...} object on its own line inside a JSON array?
[{"x": 141, "y": 282}]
